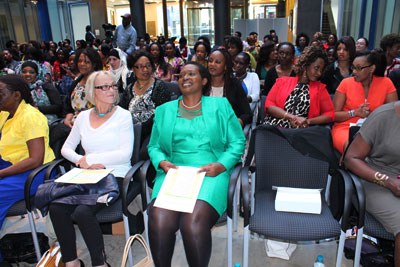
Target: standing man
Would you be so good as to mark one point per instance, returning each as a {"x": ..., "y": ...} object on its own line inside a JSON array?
[
  {"x": 89, "y": 37},
  {"x": 125, "y": 35}
]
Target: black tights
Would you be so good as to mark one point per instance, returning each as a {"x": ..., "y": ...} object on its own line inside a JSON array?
[
  {"x": 195, "y": 229},
  {"x": 63, "y": 217}
]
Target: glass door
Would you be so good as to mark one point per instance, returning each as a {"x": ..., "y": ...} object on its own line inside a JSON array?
[{"x": 200, "y": 21}]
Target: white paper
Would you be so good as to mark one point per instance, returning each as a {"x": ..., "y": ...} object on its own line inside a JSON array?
[
  {"x": 83, "y": 176},
  {"x": 298, "y": 200},
  {"x": 180, "y": 189}
]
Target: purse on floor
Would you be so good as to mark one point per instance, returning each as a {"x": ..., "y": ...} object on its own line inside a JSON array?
[
  {"x": 52, "y": 257},
  {"x": 147, "y": 261}
]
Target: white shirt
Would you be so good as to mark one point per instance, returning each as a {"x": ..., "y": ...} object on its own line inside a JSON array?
[
  {"x": 217, "y": 91},
  {"x": 253, "y": 87},
  {"x": 111, "y": 144}
]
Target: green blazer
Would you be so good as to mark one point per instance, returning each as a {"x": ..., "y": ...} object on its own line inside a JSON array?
[{"x": 226, "y": 134}]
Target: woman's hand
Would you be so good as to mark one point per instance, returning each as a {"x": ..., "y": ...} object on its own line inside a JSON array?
[
  {"x": 97, "y": 166},
  {"x": 82, "y": 163},
  {"x": 166, "y": 165},
  {"x": 393, "y": 184},
  {"x": 299, "y": 122},
  {"x": 68, "y": 120},
  {"x": 362, "y": 111},
  {"x": 212, "y": 169}
]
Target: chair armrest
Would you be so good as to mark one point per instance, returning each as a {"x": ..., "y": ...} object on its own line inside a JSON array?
[
  {"x": 143, "y": 179},
  {"x": 232, "y": 186},
  {"x": 244, "y": 176},
  {"x": 348, "y": 194},
  {"x": 53, "y": 165},
  {"x": 28, "y": 184},
  {"x": 128, "y": 179},
  {"x": 360, "y": 194}
]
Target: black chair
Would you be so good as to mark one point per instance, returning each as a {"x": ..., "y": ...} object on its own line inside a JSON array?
[
  {"x": 279, "y": 163},
  {"x": 147, "y": 175},
  {"x": 26, "y": 206},
  {"x": 261, "y": 109},
  {"x": 129, "y": 189},
  {"x": 366, "y": 222},
  {"x": 173, "y": 88}
]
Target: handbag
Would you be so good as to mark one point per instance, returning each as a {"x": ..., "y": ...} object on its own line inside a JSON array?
[
  {"x": 19, "y": 247},
  {"x": 147, "y": 261},
  {"x": 278, "y": 249},
  {"x": 52, "y": 257}
]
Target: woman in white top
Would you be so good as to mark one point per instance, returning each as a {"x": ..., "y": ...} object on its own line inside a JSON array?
[
  {"x": 248, "y": 80},
  {"x": 106, "y": 135}
]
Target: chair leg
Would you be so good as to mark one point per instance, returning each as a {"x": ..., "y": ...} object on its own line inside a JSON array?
[
  {"x": 127, "y": 235},
  {"x": 146, "y": 228},
  {"x": 236, "y": 203},
  {"x": 339, "y": 257},
  {"x": 34, "y": 236},
  {"x": 229, "y": 233},
  {"x": 357, "y": 256},
  {"x": 246, "y": 246}
]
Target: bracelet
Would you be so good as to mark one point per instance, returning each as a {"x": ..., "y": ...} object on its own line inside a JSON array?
[
  {"x": 380, "y": 178},
  {"x": 351, "y": 113}
]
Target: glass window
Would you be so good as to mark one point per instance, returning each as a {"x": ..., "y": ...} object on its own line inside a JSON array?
[
  {"x": 16, "y": 9},
  {"x": 6, "y": 29},
  {"x": 200, "y": 20},
  {"x": 32, "y": 21}
]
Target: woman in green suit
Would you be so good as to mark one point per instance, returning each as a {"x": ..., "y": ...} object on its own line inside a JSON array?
[{"x": 197, "y": 131}]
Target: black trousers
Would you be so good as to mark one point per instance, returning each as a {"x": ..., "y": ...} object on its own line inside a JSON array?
[{"x": 63, "y": 217}]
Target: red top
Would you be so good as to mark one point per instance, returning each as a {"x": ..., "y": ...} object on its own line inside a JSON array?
[{"x": 320, "y": 100}]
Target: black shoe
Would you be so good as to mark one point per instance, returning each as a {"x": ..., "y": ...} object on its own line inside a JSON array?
[
  {"x": 5, "y": 264},
  {"x": 82, "y": 264}
]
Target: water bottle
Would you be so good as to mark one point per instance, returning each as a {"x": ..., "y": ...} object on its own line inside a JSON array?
[
  {"x": 319, "y": 262},
  {"x": 237, "y": 264}
]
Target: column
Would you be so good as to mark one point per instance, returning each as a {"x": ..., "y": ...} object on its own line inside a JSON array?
[
  {"x": 221, "y": 20},
  {"x": 138, "y": 17}
]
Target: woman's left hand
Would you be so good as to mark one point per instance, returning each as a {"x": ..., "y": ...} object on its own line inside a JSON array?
[
  {"x": 300, "y": 122},
  {"x": 97, "y": 166},
  {"x": 82, "y": 163},
  {"x": 212, "y": 169}
]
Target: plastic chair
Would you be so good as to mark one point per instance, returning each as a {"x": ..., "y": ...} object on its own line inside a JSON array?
[{"x": 278, "y": 163}]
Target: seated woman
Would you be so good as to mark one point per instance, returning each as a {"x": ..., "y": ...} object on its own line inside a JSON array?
[
  {"x": 248, "y": 80},
  {"x": 118, "y": 67},
  {"x": 358, "y": 96},
  {"x": 24, "y": 141},
  {"x": 175, "y": 62},
  {"x": 374, "y": 155},
  {"x": 266, "y": 60},
  {"x": 162, "y": 68},
  {"x": 106, "y": 135},
  {"x": 145, "y": 94},
  {"x": 202, "y": 50},
  {"x": 196, "y": 131},
  {"x": 224, "y": 85},
  {"x": 301, "y": 101},
  {"x": 45, "y": 96},
  {"x": 345, "y": 51},
  {"x": 284, "y": 68}
]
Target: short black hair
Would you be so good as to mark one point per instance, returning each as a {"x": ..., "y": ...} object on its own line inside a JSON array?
[
  {"x": 288, "y": 44},
  {"x": 236, "y": 42},
  {"x": 88, "y": 28},
  {"x": 375, "y": 57},
  {"x": 204, "y": 74},
  {"x": 350, "y": 45},
  {"x": 16, "y": 83},
  {"x": 389, "y": 40},
  {"x": 252, "y": 33},
  {"x": 206, "y": 45},
  {"x": 238, "y": 33},
  {"x": 302, "y": 34},
  {"x": 132, "y": 58}
]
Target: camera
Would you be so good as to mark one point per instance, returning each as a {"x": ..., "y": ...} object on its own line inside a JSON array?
[{"x": 109, "y": 29}]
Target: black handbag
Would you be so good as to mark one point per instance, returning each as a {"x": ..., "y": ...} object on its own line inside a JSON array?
[{"x": 19, "y": 247}]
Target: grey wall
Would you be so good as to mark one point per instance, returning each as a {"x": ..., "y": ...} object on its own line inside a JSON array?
[{"x": 308, "y": 17}]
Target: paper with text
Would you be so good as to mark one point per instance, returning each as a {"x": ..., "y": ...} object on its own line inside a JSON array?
[
  {"x": 180, "y": 189},
  {"x": 83, "y": 176}
]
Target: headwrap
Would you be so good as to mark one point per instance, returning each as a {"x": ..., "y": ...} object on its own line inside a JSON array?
[{"x": 122, "y": 71}]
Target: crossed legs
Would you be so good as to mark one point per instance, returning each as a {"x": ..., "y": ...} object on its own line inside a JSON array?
[{"x": 195, "y": 229}]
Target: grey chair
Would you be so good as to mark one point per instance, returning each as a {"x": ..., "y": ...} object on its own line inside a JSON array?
[
  {"x": 130, "y": 187},
  {"x": 26, "y": 206},
  {"x": 366, "y": 222},
  {"x": 279, "y": 162}
]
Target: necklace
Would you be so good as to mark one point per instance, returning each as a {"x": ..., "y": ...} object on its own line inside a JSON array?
[
  {"x": 183, "y": 104},
  {"x": 103, "y": 114},
  {"x": 140, "y": 87}
]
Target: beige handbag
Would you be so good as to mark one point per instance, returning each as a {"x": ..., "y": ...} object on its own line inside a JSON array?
[{"x": 147, "y": 261}]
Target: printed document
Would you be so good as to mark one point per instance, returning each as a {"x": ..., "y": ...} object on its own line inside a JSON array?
[
  {"x": 180, "y": 189},
  {"x": 83, "y": 176}
]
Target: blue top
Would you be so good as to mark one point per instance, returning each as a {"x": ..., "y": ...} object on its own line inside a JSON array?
[{"x": 125, "y": 38}]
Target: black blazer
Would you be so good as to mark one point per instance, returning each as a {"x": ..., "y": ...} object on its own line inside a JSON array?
[
  {"x": 238, "y": 100},
  {"x": 270, "y": 79}
]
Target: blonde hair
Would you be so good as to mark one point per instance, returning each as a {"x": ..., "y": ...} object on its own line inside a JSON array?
[{"x": 89, "y": 87}]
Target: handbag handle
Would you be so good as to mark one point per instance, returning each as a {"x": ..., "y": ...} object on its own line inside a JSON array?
[{"x": 128, "y": 245}]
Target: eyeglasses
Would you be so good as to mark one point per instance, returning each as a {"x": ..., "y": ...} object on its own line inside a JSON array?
[
  {"x": 107, "y": 87},
  {"x": 141, "y": 67},
  {"x": 358, "y": 68},
  {"x": 285, "y": 53}
]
